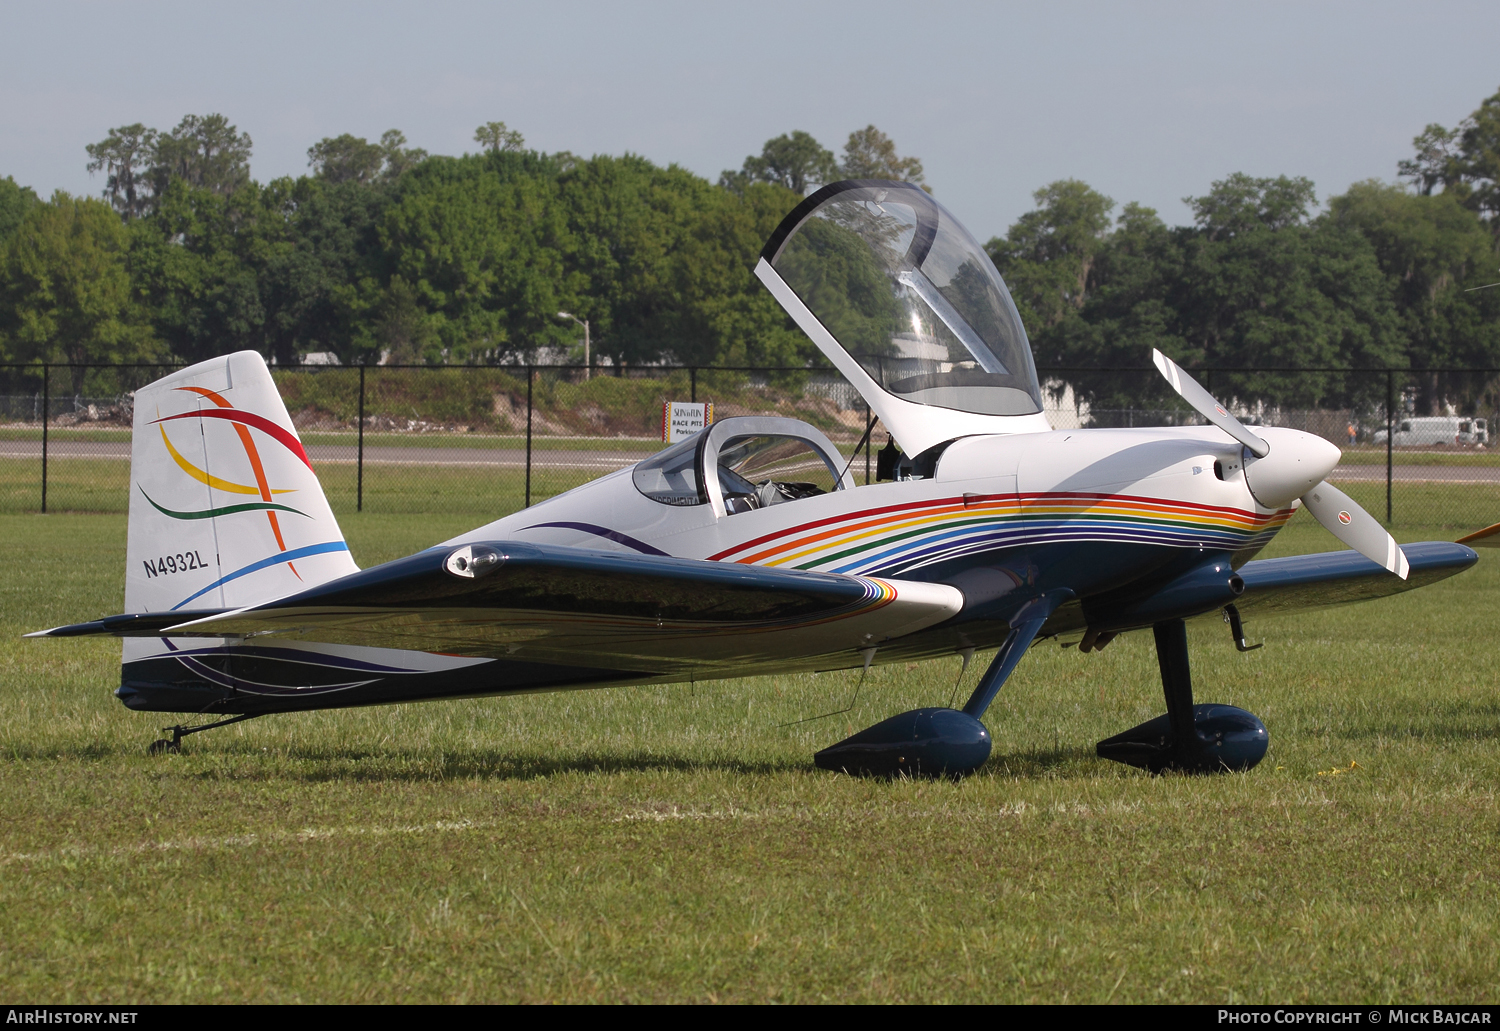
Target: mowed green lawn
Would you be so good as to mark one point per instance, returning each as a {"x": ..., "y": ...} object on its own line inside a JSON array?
[{"x": 677, "y": 844}]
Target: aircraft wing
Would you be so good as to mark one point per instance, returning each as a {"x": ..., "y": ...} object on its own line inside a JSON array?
[
  {"x": 1332, "y": 578},
  {"x": 565, "y": 605}
]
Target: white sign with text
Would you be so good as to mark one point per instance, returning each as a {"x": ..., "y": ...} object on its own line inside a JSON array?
[{"x": 681, "y": 419}]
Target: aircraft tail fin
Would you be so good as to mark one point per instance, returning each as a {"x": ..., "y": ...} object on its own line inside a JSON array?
[{"x": 225, "y": 510}]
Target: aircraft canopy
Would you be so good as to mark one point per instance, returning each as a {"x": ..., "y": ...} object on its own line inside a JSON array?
[{"x": 904, "y": 289}]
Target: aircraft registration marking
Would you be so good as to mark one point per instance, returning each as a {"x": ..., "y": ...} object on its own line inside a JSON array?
[{"x": 180, "y": 563}]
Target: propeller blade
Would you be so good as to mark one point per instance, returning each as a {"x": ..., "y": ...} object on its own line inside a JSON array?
[
  {"x": 1354, "y": 526},
  {"x": 1204, "y": 404}
]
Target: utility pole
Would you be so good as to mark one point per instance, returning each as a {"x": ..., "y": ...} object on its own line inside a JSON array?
[{"x": 585, "y": 324}]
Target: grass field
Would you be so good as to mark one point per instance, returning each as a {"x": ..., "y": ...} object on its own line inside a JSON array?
[
  {"x": 676, "y": 844},
  {"x": 479, "y": 494}
]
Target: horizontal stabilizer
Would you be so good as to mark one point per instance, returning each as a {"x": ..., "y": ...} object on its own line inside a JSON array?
[{"x": 130, "y": 624}]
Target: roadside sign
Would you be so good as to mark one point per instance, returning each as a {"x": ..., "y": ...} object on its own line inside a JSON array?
[{"x": 681, "y": 419}]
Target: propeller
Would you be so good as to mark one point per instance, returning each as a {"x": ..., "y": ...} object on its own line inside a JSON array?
[
  {"x": 1283, "y": 464},
  {"x": 1205, "y": 405}
]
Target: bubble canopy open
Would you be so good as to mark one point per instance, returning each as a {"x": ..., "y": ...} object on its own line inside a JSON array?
[{"x": 905, "y": 291}]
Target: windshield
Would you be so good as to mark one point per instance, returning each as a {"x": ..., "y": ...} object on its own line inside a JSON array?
[
  {"x": 911, "y": 296},
  {"x": 671, "y": 476}
]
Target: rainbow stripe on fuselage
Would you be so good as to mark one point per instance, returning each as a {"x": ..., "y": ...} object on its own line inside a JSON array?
[{"x": 917, "y": 534}]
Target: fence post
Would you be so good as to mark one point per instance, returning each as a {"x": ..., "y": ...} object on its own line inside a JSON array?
[
  {"x": 693, "y": 379},
  {"x": 46, "y": 413},
  {"x": 1390, "y": 437},
  {"x": 529, "y": 374},
  {"x": 359, "y": 463}
]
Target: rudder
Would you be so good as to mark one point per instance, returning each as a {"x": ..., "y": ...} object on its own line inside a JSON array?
[{"x": 225, "y": 509}]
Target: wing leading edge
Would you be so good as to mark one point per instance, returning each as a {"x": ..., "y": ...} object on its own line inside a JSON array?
[{"x": 1336, "y": 577}]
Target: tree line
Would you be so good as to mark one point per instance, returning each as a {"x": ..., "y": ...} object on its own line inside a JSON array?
[
  {"x": 1390, "y": 275},
  {"x": 384, "y": 251}
]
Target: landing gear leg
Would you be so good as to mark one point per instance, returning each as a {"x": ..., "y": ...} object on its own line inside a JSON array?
[
  {"x": 1191, "y": 738},
  {"x": 1176, "y": 683},
  {"x": 938, "y": 741},
  {"x": 179, "y": 732}
]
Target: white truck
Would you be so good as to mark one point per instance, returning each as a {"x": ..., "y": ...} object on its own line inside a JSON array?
[{"x": 1432, "y": 430}]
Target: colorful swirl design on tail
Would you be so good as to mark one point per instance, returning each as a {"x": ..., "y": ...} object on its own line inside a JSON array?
[{"x": 242, "y": 422}]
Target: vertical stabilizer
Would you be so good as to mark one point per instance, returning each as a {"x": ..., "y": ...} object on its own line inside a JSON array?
[{"x": 225, "y": 510}]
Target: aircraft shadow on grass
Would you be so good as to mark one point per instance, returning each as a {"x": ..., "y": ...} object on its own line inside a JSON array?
[{"x": 344, "y": 764}]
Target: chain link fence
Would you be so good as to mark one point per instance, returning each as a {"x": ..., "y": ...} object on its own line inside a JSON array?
[{"x": 484, "y": 441}]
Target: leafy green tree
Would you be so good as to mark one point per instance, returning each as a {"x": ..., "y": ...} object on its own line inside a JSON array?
[
  {"x": 1243, "y": 204},
  {"x": 15, "y": 202},
  {"x": 189, "y": 259},
  {"x": 726, "y": 316},
  {"x": 871, "y": 154},
  {"x": 125, "y": 155},
  {"x": 65, "y": 293},
  {"x": 276, "y": 268},
  {"x": 1048, "y": 256},
  {"x": 478, "y": 246},
  {"x": 1433, "y": 165},
  {"x": 205, "y": 152},
  {"x": 345, "y": 159},
  {"x": 1127, "y": 305},
  {"x": 497, "y": 139},
  {"x": 318, "y": 240},
  {"x": 1257, "y": 282},
  {"x": 629, "y": 221},
  {"x": 348, "y": 158},
  {"x": 1464, "y": 161},
  {"x": 795, "y": 161},
  {"x": 397, "y": 328},
  {"x": 1433, "y": 252},
  {"x": 399, "y": 158},
  {"x": 479, "y": 254},
  {"x": 1265, "y": 285}
]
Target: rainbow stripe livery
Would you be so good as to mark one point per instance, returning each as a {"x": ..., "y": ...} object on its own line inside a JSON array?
[{"x": 901, "y": 538}]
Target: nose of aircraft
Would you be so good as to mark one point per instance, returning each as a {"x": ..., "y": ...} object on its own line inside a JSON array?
[{"x": 1297, "y": 462}]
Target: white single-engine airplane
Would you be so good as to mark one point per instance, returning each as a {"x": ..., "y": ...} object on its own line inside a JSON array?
[{"x": 748, "y": 548}]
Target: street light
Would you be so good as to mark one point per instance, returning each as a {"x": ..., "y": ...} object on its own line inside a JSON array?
[{"x": 585, "y": 324}]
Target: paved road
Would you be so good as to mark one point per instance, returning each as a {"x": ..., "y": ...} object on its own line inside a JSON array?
[
  {"x": 1418, "y": 473},
  {"x": 446, "y": 456},
  {"x": 605, "y": 461}
]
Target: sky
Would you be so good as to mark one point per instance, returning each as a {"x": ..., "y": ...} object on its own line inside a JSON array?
[{"x": 1147, "y": 102}]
